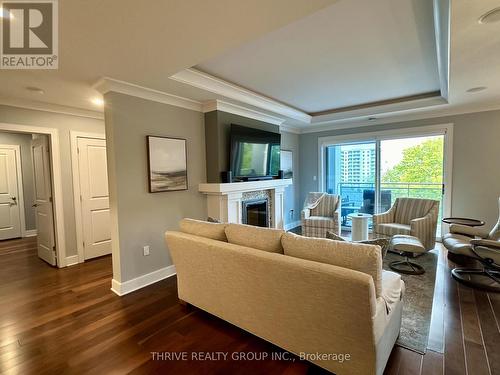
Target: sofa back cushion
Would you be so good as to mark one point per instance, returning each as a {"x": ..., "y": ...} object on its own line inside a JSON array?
[
  {"x": 355, "y": 256},
  {"x": 408, "y": 209},
  {"x": 267, "y": 239},
  {"x": 215, "y": 231},
  {"x": 327, "y": 206}
]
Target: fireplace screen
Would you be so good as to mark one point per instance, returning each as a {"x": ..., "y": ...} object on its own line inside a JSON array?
[{"x": 255, "y": 212}]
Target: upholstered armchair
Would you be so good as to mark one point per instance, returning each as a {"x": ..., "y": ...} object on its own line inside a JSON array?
[
  {"x": 321, "y": 213},
  {"x": 410, "y": 216},
  {"x": 480, "y": 245}
]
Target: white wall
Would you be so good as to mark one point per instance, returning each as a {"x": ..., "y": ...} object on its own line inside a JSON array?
[
  {"x": 24, "y": 142},
  {"x": 476, "y": 161},
  {"x": 64, "y": 124}
]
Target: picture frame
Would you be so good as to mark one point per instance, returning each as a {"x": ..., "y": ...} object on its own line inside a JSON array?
[
  {"x": 167, "y": 164},
  {"x": 287, "y": 163}
]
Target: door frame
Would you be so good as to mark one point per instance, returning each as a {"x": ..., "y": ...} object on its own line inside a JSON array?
[
  {"x": 56, "y": 174},
  {"x": 75, "y": 170},
  {"x": 378, "y": 135},
  {"x": 20, "y": 187}
]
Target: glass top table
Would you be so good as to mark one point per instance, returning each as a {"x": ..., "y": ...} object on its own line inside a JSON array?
[{"x": 463, "y": 221}]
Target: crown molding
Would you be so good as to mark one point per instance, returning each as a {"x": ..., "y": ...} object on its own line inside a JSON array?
[
  {"x": 218, "y": 86},
  {"x": 404, "y": 116},
  {"x": 106, "y": 84},
  {"x": 442, "y": 31},
  {"x": 220, "y": 105},
  {"x": 52, "y": 108},
  {"x": 290, "y": 129},
  {"x": 409, "y": 103}
]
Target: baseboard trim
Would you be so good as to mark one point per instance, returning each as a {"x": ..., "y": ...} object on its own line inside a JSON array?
[
  {"x": 71, "y": 260},
  {"x": 292, "y": 225},
  {"x": 30, "y": 233},
  {"x": 140, "y": 282}
]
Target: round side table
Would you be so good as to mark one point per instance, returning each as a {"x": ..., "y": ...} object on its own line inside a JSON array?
[{"x": 359, "y": 226}]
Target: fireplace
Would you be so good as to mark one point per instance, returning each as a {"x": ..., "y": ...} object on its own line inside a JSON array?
[
  {"x": 255, "y": 212},
  {"x": 225, "y": 201}
]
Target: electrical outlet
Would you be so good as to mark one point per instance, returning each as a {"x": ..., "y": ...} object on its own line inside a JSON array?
[
  {"x": 314, "y": 178},
  {"x": 145, "y": 250}
]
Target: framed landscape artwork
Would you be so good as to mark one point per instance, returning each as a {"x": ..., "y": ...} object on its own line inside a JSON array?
[
  {"x": 167, "y": 164},
  {"x": 287, "y": 163}
]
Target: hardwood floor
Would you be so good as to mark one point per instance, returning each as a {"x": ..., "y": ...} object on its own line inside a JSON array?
[{"x": 68, "y": 321}]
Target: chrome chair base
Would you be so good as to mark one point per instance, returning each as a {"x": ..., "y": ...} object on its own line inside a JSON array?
[
  {"x": 484, "y": 279},
  {"x": 406, "y": 267}
]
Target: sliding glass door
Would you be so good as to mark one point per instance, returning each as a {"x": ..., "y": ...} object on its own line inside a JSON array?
[
  {"x": 351, "y": 173},
  {"x": 369, "y": 175},
  {"x": 411, "y": 168}
]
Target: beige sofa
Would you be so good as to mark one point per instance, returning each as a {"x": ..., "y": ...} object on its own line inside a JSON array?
[{"x": 330, "y": 297}]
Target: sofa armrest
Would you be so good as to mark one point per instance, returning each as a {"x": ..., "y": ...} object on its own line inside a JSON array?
[
  {"x": 415, "y": 223},
  {"x": 424, "y": 228},
  {"x": 468, "y": 231},
  {"x": 486, "y": 243},
  {"x": 385, "y": 217}
]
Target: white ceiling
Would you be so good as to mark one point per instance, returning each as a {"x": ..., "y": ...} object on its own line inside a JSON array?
[
  {"x": 351, "y": 53},
  {"x": 145, "y": 42},
  {"x": 475, "y": 54},
  {"x": 367, "y": 53}
]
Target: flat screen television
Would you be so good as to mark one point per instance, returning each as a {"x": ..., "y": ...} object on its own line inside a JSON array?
[{"x": 254, "y": 153}]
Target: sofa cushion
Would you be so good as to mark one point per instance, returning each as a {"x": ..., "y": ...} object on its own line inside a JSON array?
[
  {"x": 408, "y": 209},
  {"x": 215, "y": 231},
  {"x": 267, "y": 239},
  {"x": 320, "y": 221},
  {"x": 355, "y": 256},
  {"x": 390, "y": 229},
  {"x": 382, "y": 242},
  {"x": 392, "y": 289}
]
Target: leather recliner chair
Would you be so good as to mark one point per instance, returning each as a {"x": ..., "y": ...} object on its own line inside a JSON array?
[{"x": 480, "y": 245}]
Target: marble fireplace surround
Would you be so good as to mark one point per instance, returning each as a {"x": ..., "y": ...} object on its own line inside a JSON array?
[{"x": 224, "y": 201}]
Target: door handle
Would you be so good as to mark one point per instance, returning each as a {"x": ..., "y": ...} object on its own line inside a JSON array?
[{"x": 35, "y": 205}]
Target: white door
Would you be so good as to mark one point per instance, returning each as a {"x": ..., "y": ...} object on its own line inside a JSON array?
[
  {"x": 10, "y": 218},
  {"x": 43, "y": 200},
  {"x": 96, "y": 226}
]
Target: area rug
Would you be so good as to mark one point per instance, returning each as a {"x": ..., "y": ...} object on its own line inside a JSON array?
[{"x": 417, "y": 302}]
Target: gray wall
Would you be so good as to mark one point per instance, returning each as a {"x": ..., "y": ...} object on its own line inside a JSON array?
[
  {"x": 64, "y": 124},
  {"x": 217, "y": 133},
  {"x": 24, "y": 142},
  {"x": 138, "y": 217},
  {"x": 290, "y": 141},
  {"x": 476, "y": 160}
]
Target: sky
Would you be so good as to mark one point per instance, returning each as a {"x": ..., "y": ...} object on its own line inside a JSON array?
[{"x": 391, "y": 151}]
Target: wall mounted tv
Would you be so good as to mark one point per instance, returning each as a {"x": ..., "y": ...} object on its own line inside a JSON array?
[{"x": 255, "y": 154}]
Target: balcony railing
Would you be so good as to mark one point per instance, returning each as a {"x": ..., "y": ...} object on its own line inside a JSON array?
[{"x": 360, "y": 196}]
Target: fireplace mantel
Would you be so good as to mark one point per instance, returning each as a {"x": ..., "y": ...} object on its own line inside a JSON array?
[{"x": 224, "y": 201}]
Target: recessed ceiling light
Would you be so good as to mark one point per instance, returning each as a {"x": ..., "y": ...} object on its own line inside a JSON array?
[
  {"x": 477, "y": 89},
  {"x": 37, "y": 90},
  {"x": 490, "y": 17},
  {"x": 97, "y": 101}
]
